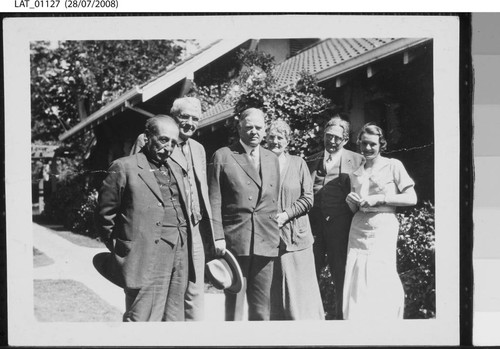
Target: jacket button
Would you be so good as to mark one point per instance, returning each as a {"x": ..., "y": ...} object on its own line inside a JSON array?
[
  {"x": 248, "y": 182},
  {"x": 250, "y": 198},
  {"x": 157, "y": 241},
  {"x": 158, "y": 223},
  {"x": 159, "y": 204}
]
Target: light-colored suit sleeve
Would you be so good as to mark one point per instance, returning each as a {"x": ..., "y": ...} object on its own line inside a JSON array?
[{"x": 214, "y": 187}]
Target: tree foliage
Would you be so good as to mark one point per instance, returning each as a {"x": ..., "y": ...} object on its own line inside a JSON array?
[{"x": 76, "y": 78}]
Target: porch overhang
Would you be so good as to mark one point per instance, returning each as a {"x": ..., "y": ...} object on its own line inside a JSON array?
[{"x": 141, "y": 94}]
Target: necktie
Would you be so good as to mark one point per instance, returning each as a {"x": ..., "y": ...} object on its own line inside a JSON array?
[
  {"x": 193, "y": 192},
  {"x": 329, "y": 163},
  {"x": 255, "y": 161}
]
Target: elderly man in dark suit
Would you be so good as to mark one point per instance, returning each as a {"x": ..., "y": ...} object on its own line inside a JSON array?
[
  {"x": 330, "y": 216},
  {"x": 144, "y": 220},
  {"x": 244, "y": 186},
  {"x": 187, "y": 112}
]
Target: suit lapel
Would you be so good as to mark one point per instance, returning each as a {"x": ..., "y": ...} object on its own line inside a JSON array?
[
  {"x": 146, "y": 174},
  {"x": 198, "y": 171},
  {"x": 267, "y": 167},
  {"x": 346, "y": 162},
  {"x": 243, "y": 160},
  {"x": 179, "y": 158},
  {"x": 179, "y": 175},
  {"x": 317, "y": 164}
]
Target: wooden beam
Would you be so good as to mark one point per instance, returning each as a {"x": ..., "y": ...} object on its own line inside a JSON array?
[
  {"x": 371, "y": 70},
  {"x": 408, "y": 56},
  {"x": 138, "y": 110},
  {"x": 186, "y": 85}
]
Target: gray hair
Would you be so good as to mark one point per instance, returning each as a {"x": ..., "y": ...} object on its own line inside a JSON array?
[
  {"x": 280, "y": 126},
  {"x": 180, "y": 104},
  {"x": 338, "y": 121}
]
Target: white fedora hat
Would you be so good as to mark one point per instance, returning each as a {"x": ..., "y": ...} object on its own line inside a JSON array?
[{"x": 225, "y": 273}]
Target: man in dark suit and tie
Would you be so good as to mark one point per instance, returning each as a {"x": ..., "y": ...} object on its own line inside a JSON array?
[
  {"x": 187, "y": 112},
  {"x": 330, "y": 216},
  {"x": 244, "y": 186},
  {"x": 144, "y": 221}
]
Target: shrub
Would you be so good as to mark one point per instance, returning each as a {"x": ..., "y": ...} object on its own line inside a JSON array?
[
  {"x": 416, "y": 265},
  {"x": 416, "y": 261},
  {"x": 73, "y": 202}
]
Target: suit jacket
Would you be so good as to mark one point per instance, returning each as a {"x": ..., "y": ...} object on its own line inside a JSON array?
[
  {"x": 200, "y": 173},
  {"x": 130, "y": 215},
  {"x": 296, "y": 199},
  {"x": 244, "y": 203},
  {"x": 330, "y": 190}
]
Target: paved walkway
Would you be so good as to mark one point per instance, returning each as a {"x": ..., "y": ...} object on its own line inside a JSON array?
[{"x": 74, "y": 262}]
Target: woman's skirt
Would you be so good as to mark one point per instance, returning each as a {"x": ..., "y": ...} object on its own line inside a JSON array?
[{"x": 372, "y": 287}]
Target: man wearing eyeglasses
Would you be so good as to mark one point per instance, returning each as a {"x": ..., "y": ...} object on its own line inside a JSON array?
[
  {"x": 144, "y": 221},
  {"x": 187, "y": 112},
  {"x": 330, "y": 216}
]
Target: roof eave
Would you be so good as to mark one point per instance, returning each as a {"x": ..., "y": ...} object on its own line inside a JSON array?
[
  {"x": 103, "y": 114},
  {"x": 389, "y": 49}
]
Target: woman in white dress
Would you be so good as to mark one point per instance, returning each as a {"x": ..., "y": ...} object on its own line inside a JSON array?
[{"x": 372, "y": 287}]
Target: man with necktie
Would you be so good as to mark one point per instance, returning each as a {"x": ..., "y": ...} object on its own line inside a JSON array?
[
  {"x": 244, "y": 186},
  {"x": 144, "y": 221},
  {"x": 187, "y": 112},
  {"x": 330, "y": 216}
]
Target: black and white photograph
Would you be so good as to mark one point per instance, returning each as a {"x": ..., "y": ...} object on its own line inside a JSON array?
[{"x": 233, "y": 180}]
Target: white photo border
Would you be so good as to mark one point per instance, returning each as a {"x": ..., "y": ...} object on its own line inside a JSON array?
[{"x": 24, "y": 330}]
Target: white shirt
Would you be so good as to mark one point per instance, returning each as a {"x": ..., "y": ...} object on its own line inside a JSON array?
[
  {"x": 335, "y": 159},
  {"x": 249, "y": 149}
]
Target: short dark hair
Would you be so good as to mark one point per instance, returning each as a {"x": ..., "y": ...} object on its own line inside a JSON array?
[
  {"x": 374, "y": 130},
  {"x": 248, "y": 112}
]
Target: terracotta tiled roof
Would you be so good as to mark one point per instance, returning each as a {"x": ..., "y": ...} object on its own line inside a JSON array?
[{"x": 323, "y": 55}]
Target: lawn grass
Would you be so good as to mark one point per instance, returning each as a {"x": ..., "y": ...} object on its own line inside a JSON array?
[
  {"x": 40, "y": 259},
  {"x": 70, "y": 301}
]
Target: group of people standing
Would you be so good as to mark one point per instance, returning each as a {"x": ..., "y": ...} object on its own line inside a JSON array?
[{"x": 281, "y": 216}]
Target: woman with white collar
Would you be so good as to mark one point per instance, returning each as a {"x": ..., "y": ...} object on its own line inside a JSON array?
[{"x": 372, "y": 287}]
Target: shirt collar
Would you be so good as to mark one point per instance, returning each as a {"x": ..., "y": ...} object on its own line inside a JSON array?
[
  {"x": 248, "y": 149},
  {"x": 156, "y": 163},
  {"x": 335, "y": 156}
]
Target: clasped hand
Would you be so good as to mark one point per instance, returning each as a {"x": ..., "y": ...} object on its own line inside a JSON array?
[
  {"x": 369, "y": 201},
  {"x": 281, "y": 219}
]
